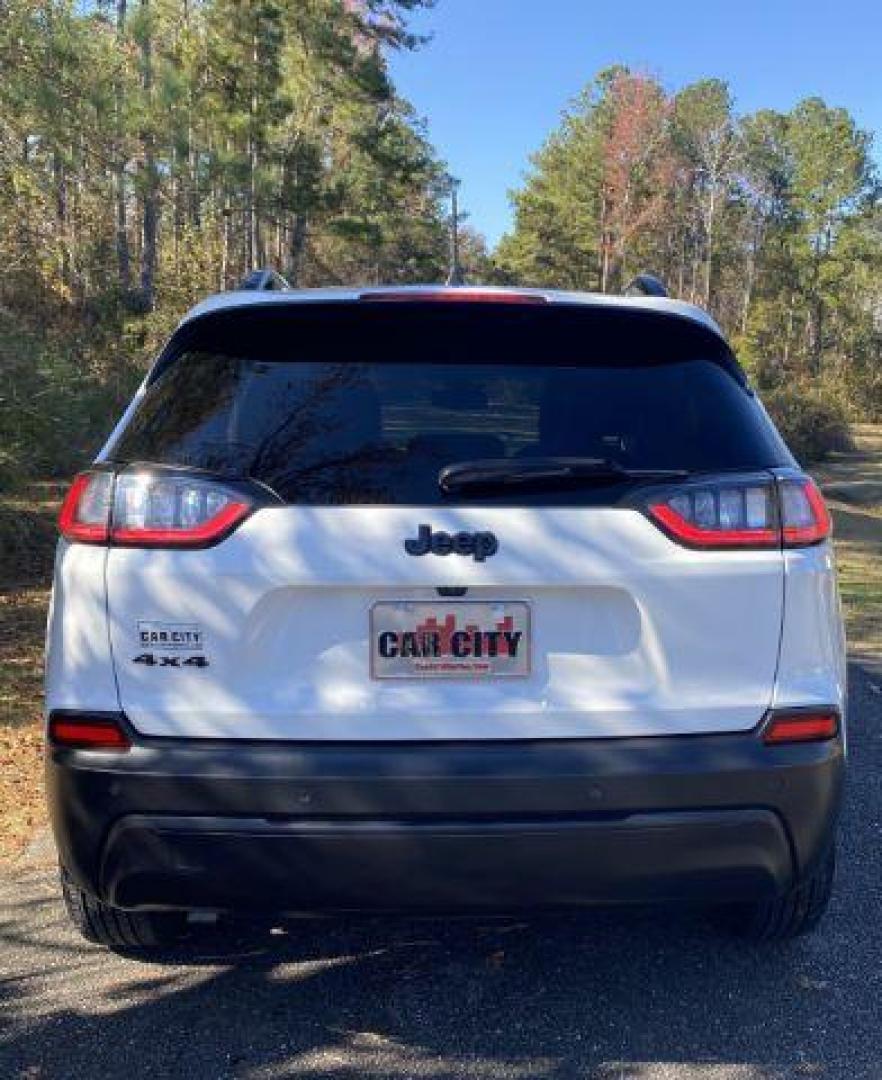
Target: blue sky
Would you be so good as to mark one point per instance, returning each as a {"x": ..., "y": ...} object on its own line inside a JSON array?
[{"x": 497, "y": 74}]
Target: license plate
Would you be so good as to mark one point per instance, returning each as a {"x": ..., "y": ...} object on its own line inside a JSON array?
[{"x": 461, "y": 638}]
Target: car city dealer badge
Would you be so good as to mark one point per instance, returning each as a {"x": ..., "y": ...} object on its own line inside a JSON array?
[{"x": 478, "y": 639}]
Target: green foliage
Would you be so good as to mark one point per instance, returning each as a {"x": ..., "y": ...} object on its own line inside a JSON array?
[
  {"x": 812, "y": 422},
  {"x": 772, "y": 221},
  {"x": 830, "y": 166},
  {"x": 60, "y": 387},
  {"x": 153, "y": 151}
]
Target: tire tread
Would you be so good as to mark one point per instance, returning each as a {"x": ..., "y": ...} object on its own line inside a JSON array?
[
  {"x": 796, "y": 912},
  {"x": 130, "y": 932}
]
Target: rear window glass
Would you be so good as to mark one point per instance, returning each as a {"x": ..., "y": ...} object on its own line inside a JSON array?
[{"x": 373, "y": 416}]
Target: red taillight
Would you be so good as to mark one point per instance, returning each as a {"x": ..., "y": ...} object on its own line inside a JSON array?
[
  {"x": 86, "y": 731},
  {"x": 754, "y": 513},
  {"x": 456, "y": 294},
  {"x": 85, "y": 512},
  {"x": 804, "y": 516},
  {"x": 151, "y": 509},
  {"x": 802, "y": 725},
  {"x": 720, "y": 514}
]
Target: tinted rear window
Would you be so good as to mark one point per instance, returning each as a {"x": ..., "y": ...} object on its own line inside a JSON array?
[{"x": 367, "y": 406}]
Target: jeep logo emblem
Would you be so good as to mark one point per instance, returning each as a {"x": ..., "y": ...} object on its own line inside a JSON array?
[{"x": 480, "y": 545}]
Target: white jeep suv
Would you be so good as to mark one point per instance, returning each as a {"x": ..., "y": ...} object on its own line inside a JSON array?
[{"x": 438, "y": 599}]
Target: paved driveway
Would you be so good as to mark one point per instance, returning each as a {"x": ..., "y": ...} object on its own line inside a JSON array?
[{"x": 636, "y": 995}]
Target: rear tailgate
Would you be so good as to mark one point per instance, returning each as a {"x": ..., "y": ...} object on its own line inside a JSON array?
[
  {"x": 347, "y": 413},
  {"x": 630, "y": 633}
]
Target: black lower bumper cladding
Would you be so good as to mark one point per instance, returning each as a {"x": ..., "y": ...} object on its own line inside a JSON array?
[{"x": 282, "y": 827}]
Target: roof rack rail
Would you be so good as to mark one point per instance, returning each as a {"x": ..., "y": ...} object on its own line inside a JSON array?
[
  {"x": 263, "y": 281},
  {"x": 646, "y": 285}
]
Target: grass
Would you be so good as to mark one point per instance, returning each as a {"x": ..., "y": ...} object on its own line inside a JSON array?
[
  {"x": 851, "y": 481},
  {"x": 852, "y": 484}
]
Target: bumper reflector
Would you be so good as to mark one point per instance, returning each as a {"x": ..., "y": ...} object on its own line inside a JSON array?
[
  {"x": 806, "y": 725},
  {"x": 88, "y": 731}
]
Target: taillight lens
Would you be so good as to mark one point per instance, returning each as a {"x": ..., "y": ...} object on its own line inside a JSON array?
[
  {"x": 720, "y": 515},
  {"x": 805, "y": 519},
  {"x": 151, "y": 509},
  {"x": 754, "y": 513},
  {"x": 88, "y": 731},
  {"x": 801, "y": 725},
  {"x": 85, "y": 512},
  {"x": 168, "y": 510}
]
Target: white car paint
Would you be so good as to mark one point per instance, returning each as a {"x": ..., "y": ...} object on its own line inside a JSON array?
[
  {"x": 812, "y": 664},
  {"x": 79, "y": 665},
  {"x": 632, "y": 633}
]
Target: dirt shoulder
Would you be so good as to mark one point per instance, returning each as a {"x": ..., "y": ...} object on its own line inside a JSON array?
[
  {"x": 27, "y": 543},
  {"x": 852, "y": 484}
]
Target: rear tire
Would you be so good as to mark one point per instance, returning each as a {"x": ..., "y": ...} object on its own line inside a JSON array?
[
  {"x": 132, "y": 933},
  {"x": 795, "y": 912}
]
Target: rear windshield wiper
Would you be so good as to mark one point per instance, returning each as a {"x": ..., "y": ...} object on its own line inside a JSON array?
[{"x": 543, "y": 471}]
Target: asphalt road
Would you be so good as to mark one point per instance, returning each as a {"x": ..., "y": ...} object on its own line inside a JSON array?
[{"x": 632, "y": 995}]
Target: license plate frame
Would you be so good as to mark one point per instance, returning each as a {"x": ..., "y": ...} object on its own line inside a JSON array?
[{"x": 400, "y": 616}]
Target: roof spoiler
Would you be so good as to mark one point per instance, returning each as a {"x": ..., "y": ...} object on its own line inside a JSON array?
[
  {"x": 646, "y": 285},
  {"x": 264, "y": 280}
]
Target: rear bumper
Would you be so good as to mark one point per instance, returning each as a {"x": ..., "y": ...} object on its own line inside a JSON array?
[{"x": 305, "y": 828}]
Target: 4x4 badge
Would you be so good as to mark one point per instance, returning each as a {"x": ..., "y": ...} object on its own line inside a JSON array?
[
  {"x": 480, "y": 545},
  {"x": 152, "y": 660}
]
